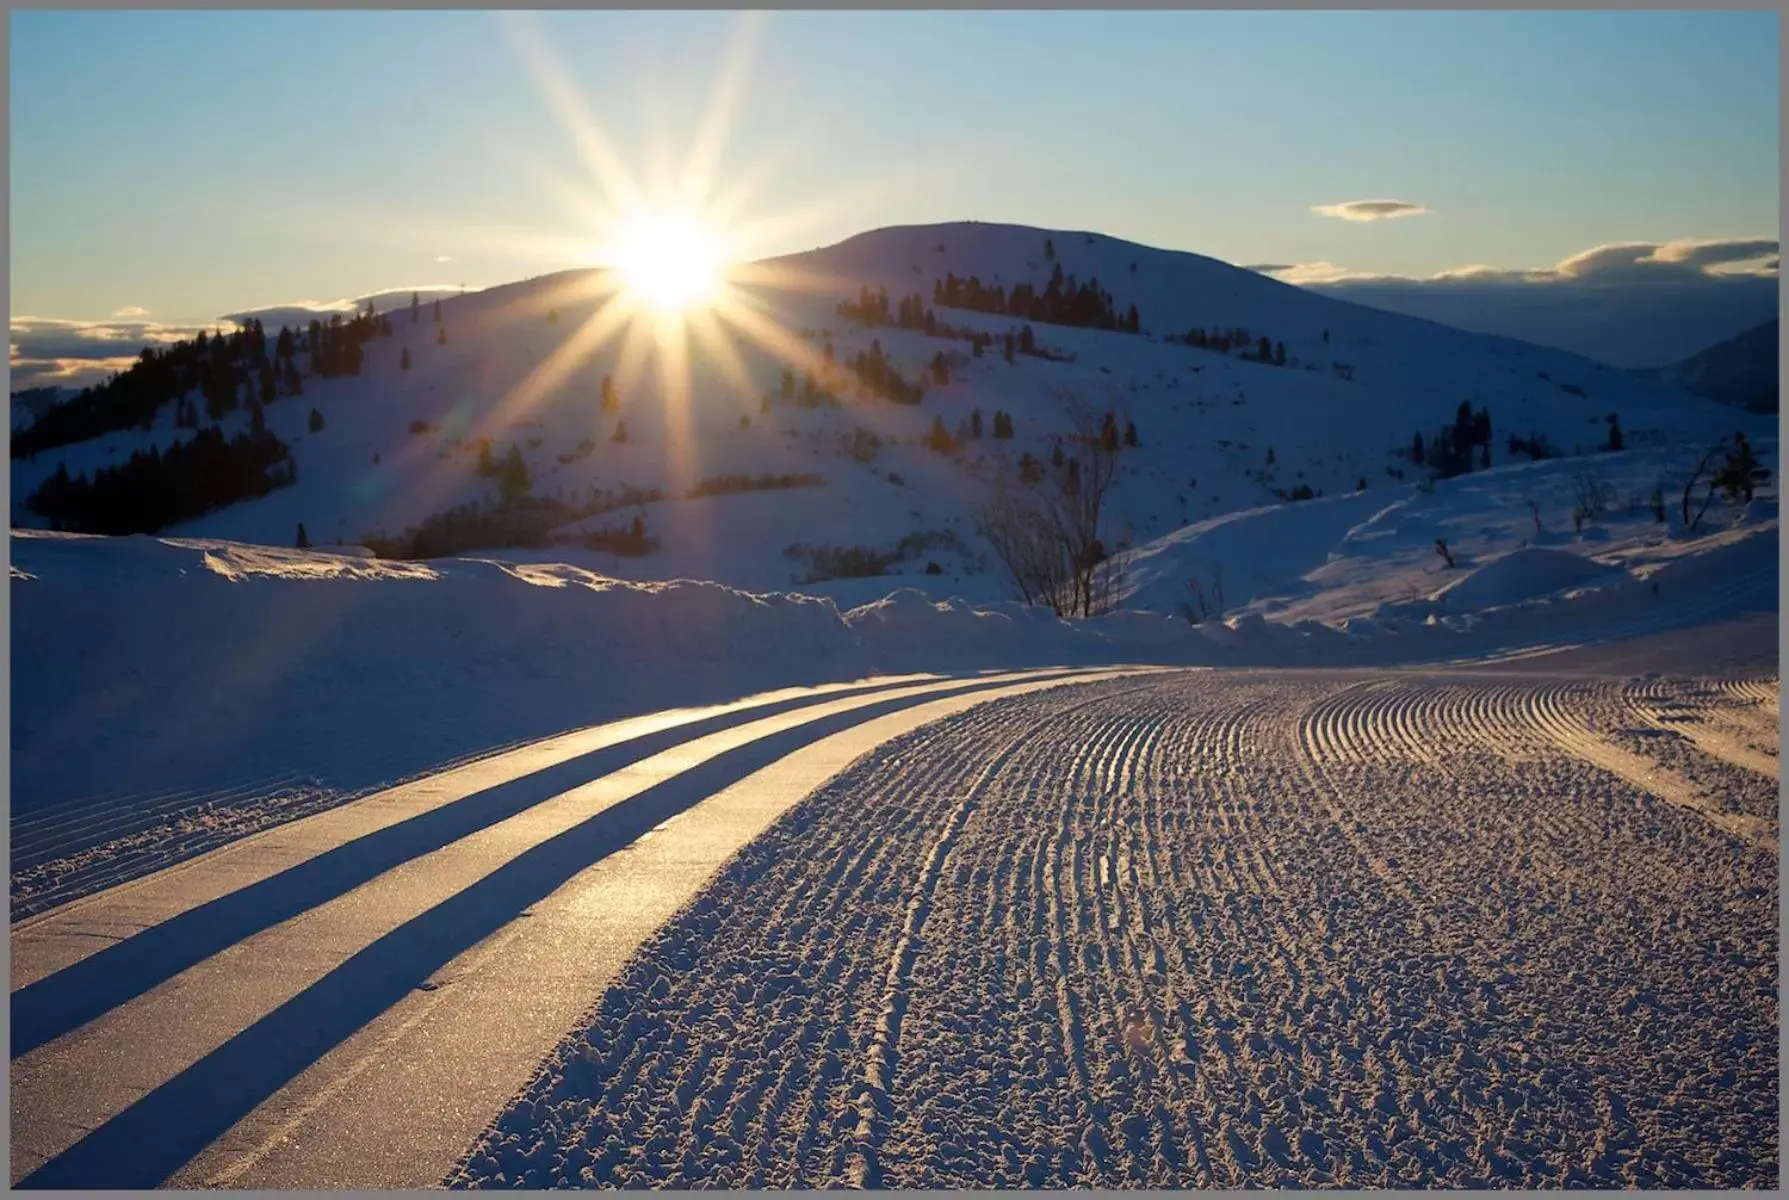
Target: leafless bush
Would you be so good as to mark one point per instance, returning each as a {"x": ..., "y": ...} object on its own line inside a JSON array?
[
  {"x": 1703, "y": 469},
  {"x": 1447, "y": 556},
  {"x": 1047, "y": 532},
  {"x": 1594, "y": 497},
  {"x": 1205, "y": 600}
]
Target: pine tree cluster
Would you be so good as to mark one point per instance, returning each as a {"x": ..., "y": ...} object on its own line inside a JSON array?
[
  {"x": 223, "y": 369},
  {"x": 879, "y": 377},
  {"x": 154, "y": 489},
  {"x": 1063, "y": 301}
]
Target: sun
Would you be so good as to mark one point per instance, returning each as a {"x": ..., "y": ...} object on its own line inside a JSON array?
[{"x": 669, "y": 263}]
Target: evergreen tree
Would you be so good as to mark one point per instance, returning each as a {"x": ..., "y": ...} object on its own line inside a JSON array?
[
  {"x": 975, "y": 424},
  {"x": 487, "y": 467},
  {"x": 1056, "y": 456},
  {"x": 404, "y": 360},
  {"x": 257, "y": 421},
  {"x": 1279, "y": 354},
  {"x": 1009, "y": 347},
  {"x": 939, "y": 437},
  {"x": 1027, "y": 341},
  {"x": 283, "y": 348},
  {"x": 1049, "y": 249},
  {"x": 1416, "y": 448},
  {"x": 512, "y": 477},
  {"x": 1130, "y": 434},
  {"x": 1270, "y": 456},
  {"x": 304, "y": 541},
  {"x": 620, "y": 433},
  {"x": 1326, "y": 337},
  {"x": 1108, "y": 433},
  {"x": 316, "y": 421},
  {"x": 437, "y": 310},
  {"x": 1741, "y": 474},
  {"x": 415, "y": 307},
  {"x": 940, "y": 369},
  {"x": 786, "y": 387},
  {"x": 1615, "y": 439},
  {"x": 1264, "y": 349},
  {"x": 976, "y": 346},
  {"x": 441, "y": 335}
]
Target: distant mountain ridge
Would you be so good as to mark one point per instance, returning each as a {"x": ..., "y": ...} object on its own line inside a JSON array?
[{"x": 1743, "y": 371}]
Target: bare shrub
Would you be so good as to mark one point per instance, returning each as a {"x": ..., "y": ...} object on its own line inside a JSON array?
[
  {"x": 1047, "y": 530},
  {"x": 1703, "y": 469},
  {"x": 1205, "y": 600},
  {"x": 1594, "y": 498}
]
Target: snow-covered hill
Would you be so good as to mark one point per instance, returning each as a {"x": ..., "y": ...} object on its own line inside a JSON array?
[{"x": 399, "y": 445}]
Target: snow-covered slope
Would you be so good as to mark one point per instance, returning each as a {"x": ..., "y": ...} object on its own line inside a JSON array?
[
  {"x": 194, "y": 662},
  {"x": 1741, "y": 371},
  {"x": 1206, "y": 422}
]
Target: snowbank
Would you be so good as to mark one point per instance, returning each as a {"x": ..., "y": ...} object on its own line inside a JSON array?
[
  {"x": 1525, "y": 575},
  {"x": 144, "y": 663}
]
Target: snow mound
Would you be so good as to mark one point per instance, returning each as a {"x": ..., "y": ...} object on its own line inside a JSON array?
[{"x": 1525, "y": 575}]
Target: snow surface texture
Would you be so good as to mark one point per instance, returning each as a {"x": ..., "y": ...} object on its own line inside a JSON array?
[
  {"x": 1206, "y": 421},
  {"x": 1269, "y": 930},
  {"x": 172, "y": 694}
]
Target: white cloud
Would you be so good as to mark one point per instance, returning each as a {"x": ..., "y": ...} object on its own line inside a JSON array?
[
  {"x": 1311, "y": 273},
  {"x": 1370, "y": 210},
  {"x": 131, "y": 311}
]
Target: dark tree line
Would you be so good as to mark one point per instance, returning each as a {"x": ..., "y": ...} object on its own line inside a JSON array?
[
  {"x": 1449, "y": 451},
  {"x": 880, "y": 378},
  {"x": 222, "y": 369},
  {"x": 335, "y": 348},
  {"x": 1262, "y": 349},
  {"x": 154, "y": 489},
  {"x": 1062, "y": 301},
  {"x": 229, "y": 371},
  {"x": 871, "y": 307}
]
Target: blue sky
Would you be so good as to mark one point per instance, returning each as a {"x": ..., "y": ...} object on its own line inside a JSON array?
[{"x": 191, "y": 164}]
